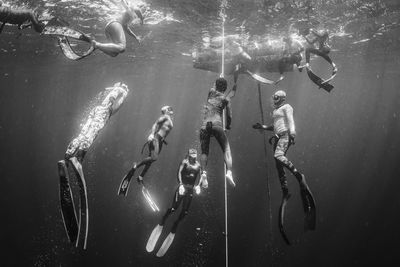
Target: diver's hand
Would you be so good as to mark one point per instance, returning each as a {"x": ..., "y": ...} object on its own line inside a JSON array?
[
  {"x": 292, "y": 136},
  {"x": 227, "y": 127},
  {"x": 197, "y": 189},
  {"x": 258, "y": 126},
  {"x": 181, "y": 189},
  {"x": 150, "y": 138},
  {"x": 204, "y": 182}
]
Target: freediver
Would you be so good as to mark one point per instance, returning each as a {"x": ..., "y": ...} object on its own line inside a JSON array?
[
  {"x": 115, "y": 31},
  {"x": 76, "y": 151},
  {"x": 320, "y": 38},
  {"x": 212, "y": 125},
  {"x": 21, "y": 17},
  {"x": 284, "y": 136},
  {"x": 155, "y": 140},
  {"x": 188, "y": 173}
]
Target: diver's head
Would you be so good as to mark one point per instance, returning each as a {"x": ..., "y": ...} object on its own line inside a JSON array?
[
  {"x": 221, "y": 84},
  {"x": 192, "y": 154},
  {"x": 278, "y": 98},
  {"x": 167, "y": 110}
]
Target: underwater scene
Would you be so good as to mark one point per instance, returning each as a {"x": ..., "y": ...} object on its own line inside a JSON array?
[{"x": 200, "y": 132}]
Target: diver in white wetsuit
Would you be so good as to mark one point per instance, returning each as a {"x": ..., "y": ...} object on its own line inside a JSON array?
[
  {"x": 284, "y": 135},
  {"x": 98, "y": 118}
]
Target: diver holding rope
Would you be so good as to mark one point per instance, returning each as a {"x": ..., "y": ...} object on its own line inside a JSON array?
[
  {"x": 217, "y": 101},
  {"x": 284, "y": 136}
]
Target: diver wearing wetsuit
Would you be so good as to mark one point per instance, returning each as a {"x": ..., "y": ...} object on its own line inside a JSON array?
[
  {"x": 159, "y": 132},
  {"x": 19, "y": 17},
  {"x": 115, "y": 31},
  {"x": 284, "y": 130},
  {"x": 188, "y": 172},
  {"x": 217, "y": 101},
  {"x": 76, "y": 151}
]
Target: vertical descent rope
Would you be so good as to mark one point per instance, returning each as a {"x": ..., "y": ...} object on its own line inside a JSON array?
[
  {"x": 266, "y": 167},
  {"x": 223, "y": 15}
]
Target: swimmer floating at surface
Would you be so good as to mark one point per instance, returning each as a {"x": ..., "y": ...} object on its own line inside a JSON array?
[
  {"x": 76, "y": 151},
  {"x": 21, "y": 17},
  {"x": 217, "y": 101},
  {"x": 155, "y": 140},
  {"x": 115, "y": 31},
  {"x": 188, "y": 172},
  {"x": 284, "y": 129}
]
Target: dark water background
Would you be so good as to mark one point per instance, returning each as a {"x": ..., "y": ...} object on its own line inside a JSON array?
[{"x": 347, "y": 145}]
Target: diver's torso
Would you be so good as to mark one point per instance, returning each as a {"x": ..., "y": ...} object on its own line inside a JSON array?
[
  {"x": 190, "y": 172},
  {"x": 166, "y": 127},
  {"x": 216, "y": 103},
  {"x": 279, "y": 115}
]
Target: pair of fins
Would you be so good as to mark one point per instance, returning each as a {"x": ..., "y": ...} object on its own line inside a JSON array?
[
  {"x": 77, "y": 232},
  {"x": 155, "y": 235},
  {"x": 309, "y": 210},
  {"x": 124, "y": 187}
]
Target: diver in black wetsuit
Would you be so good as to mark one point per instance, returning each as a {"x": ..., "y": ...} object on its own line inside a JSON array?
[
  {"x": 284, "y": 130},
  {"x": 188, "y": 172},
  {"x": 217, "y": 101},
  {"x": 156, "y": 139},
  {"x": 21, "y": 17}
]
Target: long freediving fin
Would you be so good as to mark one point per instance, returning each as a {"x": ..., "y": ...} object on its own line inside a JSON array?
[
  {"x": 67, "y": 203},
  {"x": 324, "y": 84},
  {"x": 125, "y": 182},
  {"x": 84, "y": 209},
  {"x": 310, "y": 219},
  {"x": 69, "y": 52},
  {"x": 149, "y": 199},
  {"x": 262, "y": 79},
  {"x": 155, "y": 234},
  {"x": 284, "y": 201},
  {"x": 165, "y": 245}
]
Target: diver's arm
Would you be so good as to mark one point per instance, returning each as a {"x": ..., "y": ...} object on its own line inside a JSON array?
[
  {"x": 231, "y": 93},
  {"x": 200, "y": 182},
  {"x": 180, "y": 170},
  {"x": 118, "y": 103},
  {"x": 130, "y": 32},
  {"x": 260, "y": 126},
  {"x": 289, "y": 115},
  {"x": 228, "y": 116}
]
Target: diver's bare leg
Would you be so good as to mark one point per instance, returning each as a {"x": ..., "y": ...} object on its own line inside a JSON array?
[
  {"x": 84, "y": 210},
  {"x": 67, "y": 203}
]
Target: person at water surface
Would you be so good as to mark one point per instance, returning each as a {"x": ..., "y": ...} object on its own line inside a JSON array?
[
  {"x": 21, "y": 17},
  {"x": 212, "y": 125},
  {"x": 159, "y": 132},
  {"x": 284, "y": 136},
  {"x": 115, "y": 31}
]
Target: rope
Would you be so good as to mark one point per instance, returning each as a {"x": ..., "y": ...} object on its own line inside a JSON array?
[
  {"x": 266, "y": 167},
  {"x": 223, "y": 15}
]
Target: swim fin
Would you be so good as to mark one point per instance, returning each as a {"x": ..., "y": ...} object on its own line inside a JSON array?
[
  {"x": 165, "y": 245},
  {"x": 155, "y": 234},
  {"x": 83, "y": 207},
  {"x": 260, "y": 79},
  {"x": 285, "y": 198},
  {"x": 69, "y": 52},
  {"x": 124, "y": 186},
  {"x": 67, "y": 203},
  {"x": 309, "y": 209},
  {"x": 149, "y": 199}
]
